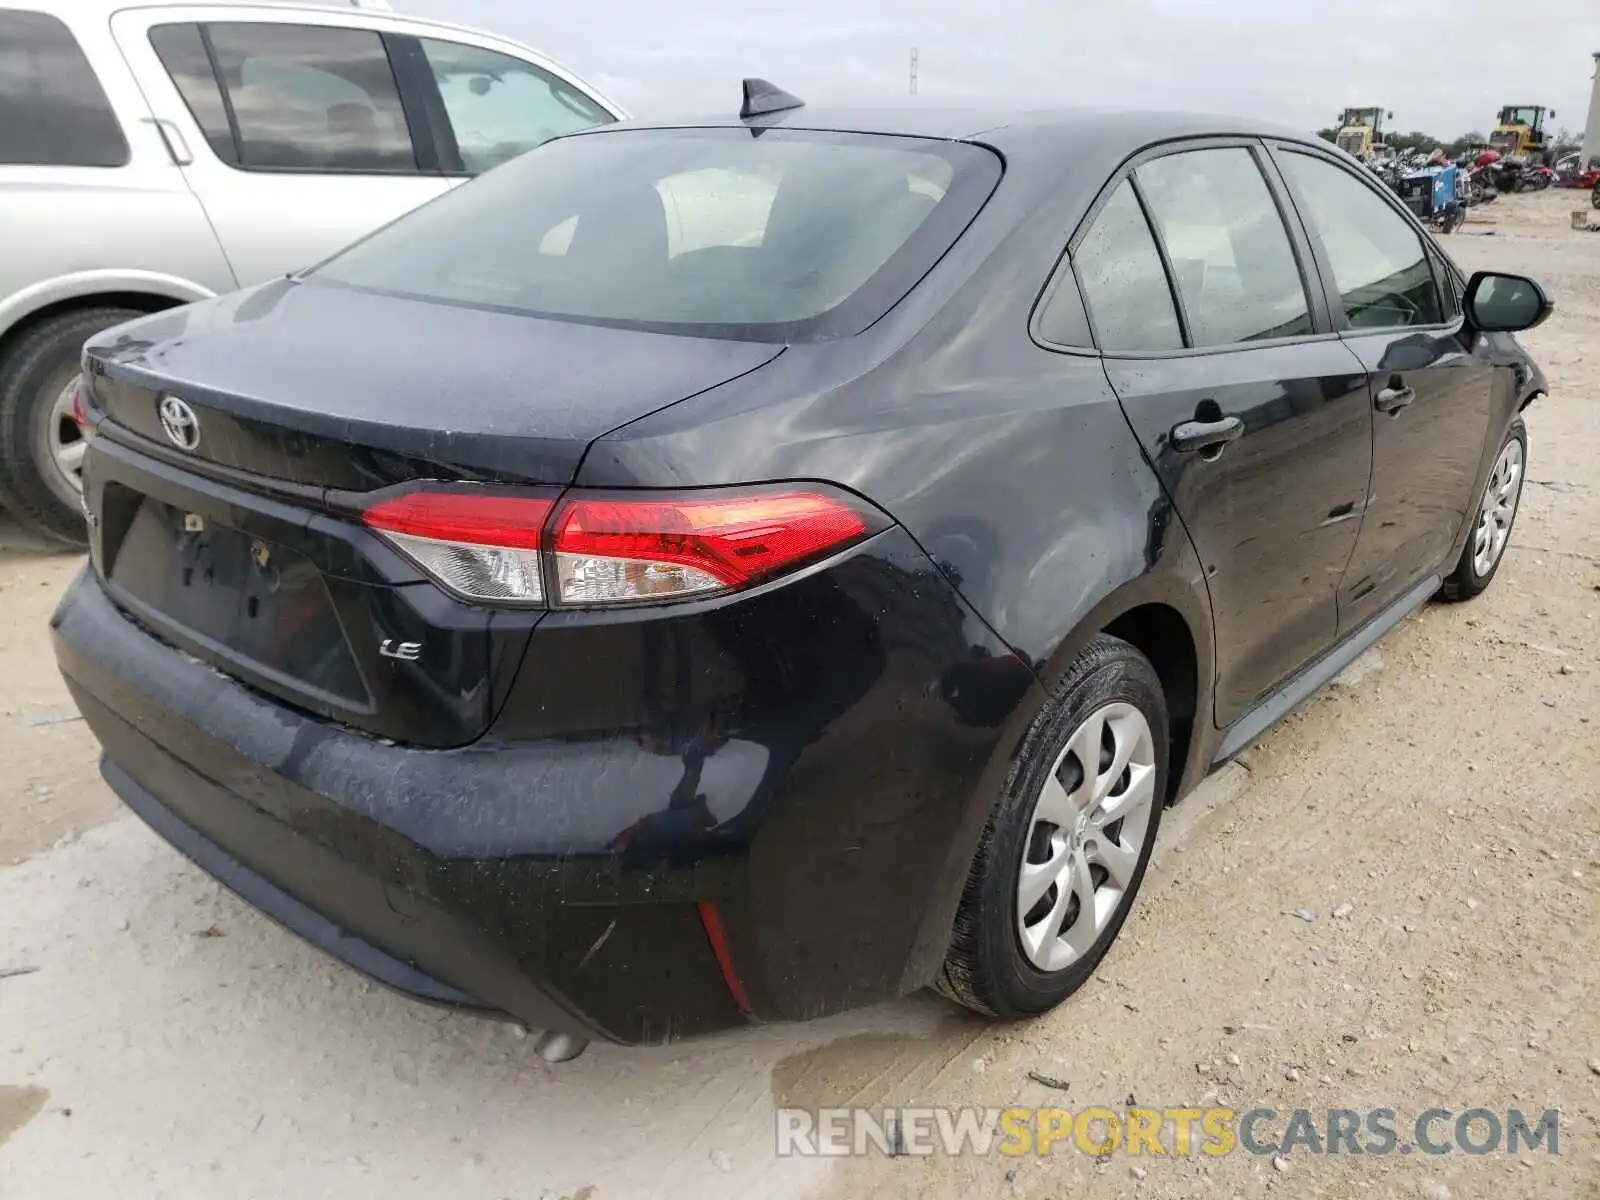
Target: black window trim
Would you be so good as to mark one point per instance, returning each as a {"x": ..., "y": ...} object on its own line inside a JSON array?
[
  {"x": 237, "y": 161},
  {"x": 1185, "y": 329},
  {"x": 424, "y": 147},
  {"x": 1307, "y": 263},
  {"x": 1335, "y": 302},
  {"x": 432, "y": 137},
  {"x": 440, "y": 127}
]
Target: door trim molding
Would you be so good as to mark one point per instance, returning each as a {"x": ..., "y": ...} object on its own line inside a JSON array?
[{"x": 1310, "y": 678}]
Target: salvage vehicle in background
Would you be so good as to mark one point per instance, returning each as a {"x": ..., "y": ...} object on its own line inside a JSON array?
[
  {"x": 1519, "y": 131},
  {"x": 1360, "y": 131},
  {"x": 643, "y": 626},
  {"x": 1433, "y": 192},
  {"x": 153, "y": 155}
]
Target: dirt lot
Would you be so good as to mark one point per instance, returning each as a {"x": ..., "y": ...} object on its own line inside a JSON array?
[{"x": 1447, "y": 790}]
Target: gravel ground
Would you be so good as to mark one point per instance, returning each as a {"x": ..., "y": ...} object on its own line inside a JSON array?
[{"x": 1436, "y": 812}]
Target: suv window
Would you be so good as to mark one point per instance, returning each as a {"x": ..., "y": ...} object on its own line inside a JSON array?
[
  {"x": 311, "y": 98},
  {"x": 1230, "y": 253},
  {"x": 1379, "y": 264},
  {"x": 53, "y": 111},
  {"x": 1124, "y": 284},
  {"x": 183, "y": 53},
  {"x": 500, "y": 106}
]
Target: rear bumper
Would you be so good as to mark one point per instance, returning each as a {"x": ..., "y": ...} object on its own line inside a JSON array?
[
  {"x": 243, "y": 826},
  {"x": 558, "y": 878}
]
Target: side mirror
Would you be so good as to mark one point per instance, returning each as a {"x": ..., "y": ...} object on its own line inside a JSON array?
[{"x": 1497, "y": 303}]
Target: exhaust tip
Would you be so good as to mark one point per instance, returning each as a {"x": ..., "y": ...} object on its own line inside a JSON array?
[{"x": 556, "y": 1047}]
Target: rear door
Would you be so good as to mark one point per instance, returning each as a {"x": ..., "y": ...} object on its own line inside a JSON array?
[
  {"x": 1252, "y": 411},
  {"x": 1396, "y": 303},
  {"x": 86, "y": 184},
  {"x": 292, "y": 127}
]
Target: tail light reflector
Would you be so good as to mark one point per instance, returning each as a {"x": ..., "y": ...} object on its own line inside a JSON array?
[
  {"x": 481, "y": 545},
  {"x": 603, "y": 549}
]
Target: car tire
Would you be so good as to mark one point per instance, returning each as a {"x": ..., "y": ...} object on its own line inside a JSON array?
[
  {"x": 1491, "y": 522},
  {"x": 1008, "y": 962},
  {"x": 33, "y": 374}
]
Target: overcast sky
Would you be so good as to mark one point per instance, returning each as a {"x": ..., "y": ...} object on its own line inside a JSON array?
[{"x": 1443, "y": 68}]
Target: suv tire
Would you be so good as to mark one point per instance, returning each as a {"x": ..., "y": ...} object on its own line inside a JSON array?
[
  {"x": 33, "y": 373},
  {"x": 1008, "y": 962}
]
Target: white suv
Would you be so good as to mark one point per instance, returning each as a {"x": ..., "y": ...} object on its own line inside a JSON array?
[{"x": 156, "y": 154}]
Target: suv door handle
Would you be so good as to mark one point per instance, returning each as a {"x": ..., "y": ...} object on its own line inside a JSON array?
[
  {"x": 1205, "y": 435},
  {"x": 172, "y": 139},
  {"x": 1394, "y": 397}
]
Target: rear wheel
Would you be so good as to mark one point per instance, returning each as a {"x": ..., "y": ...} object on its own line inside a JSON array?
[
  {"x": 1065, "y": 850},
  {"x": 1491, "y": 529},
  {"x": 41, "y": 449}
]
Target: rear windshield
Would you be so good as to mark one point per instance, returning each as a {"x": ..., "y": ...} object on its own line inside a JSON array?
[{"x": 775, "y": 234}]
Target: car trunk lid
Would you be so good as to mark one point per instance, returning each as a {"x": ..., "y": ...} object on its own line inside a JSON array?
[
  {"x": 324, "y": 385},
  {"x": 243, "y": 546}
]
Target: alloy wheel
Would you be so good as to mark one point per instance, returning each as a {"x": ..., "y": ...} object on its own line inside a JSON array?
[
  {"x": 1085, "y": 837},
  {"x": 65, "y": 439},
  {"x": 1498, "y": 508}
]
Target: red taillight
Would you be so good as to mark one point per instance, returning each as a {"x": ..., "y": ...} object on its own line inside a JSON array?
[
  {"x": 482, "y": 545},
  {"x": 483, "y": 518},
  {"x": 610, "y": 549},
  {"x": 80, "y": 409}
]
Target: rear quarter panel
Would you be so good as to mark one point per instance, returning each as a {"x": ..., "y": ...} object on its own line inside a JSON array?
[{"x": 1011, "y": 466}]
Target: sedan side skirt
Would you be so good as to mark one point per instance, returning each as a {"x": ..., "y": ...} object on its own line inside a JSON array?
[{"x": 1300, "y": 686}]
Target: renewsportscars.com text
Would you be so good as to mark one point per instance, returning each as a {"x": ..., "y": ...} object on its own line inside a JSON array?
[{"x": 1100, "y": 1131}]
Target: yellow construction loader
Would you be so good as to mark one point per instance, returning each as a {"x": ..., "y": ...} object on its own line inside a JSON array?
[
  {"x": 1520, "y": 130},
  {"x": 1360, "y": 129}
]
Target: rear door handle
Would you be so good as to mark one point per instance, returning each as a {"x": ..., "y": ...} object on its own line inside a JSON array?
[
  {"x": 1392, "y": 399},
  {"x": 172, "y": 139},
  {"x": 1206, "y": 435}
]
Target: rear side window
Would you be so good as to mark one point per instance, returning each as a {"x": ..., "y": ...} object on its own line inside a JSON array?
[
  {"x": 53, "y": 111},
  {"x": 789, "y": 235},
  {"x": 1124, "y": 284},
  {"x": 311, "y": 98},
  {"x": 1379, "y": 264},
  {"x": 499, "y": 106},
  {"x": 1230, "y": 253}
]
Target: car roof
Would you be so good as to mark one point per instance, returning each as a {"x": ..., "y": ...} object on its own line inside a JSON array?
[
  {"x": 70, "y": 10},
  {"x": 1058, "y": 131}
]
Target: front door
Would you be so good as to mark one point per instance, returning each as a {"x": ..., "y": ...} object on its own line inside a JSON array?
[
  {"x": 296, "y": 139},
  {"x": 1254, "y": 416},
  {"x": 1431, "y": 394}
]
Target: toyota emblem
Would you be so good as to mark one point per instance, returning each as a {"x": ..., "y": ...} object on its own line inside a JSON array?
[{"x": 182, "y": 427}]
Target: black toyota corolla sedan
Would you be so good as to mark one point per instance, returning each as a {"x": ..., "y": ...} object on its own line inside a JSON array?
[{"x": 738, "y": 570}]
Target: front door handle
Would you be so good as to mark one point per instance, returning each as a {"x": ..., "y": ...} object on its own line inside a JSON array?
[
  {"x": 1206, "y": 435},
  {"x": 1394, "y": 397}
]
